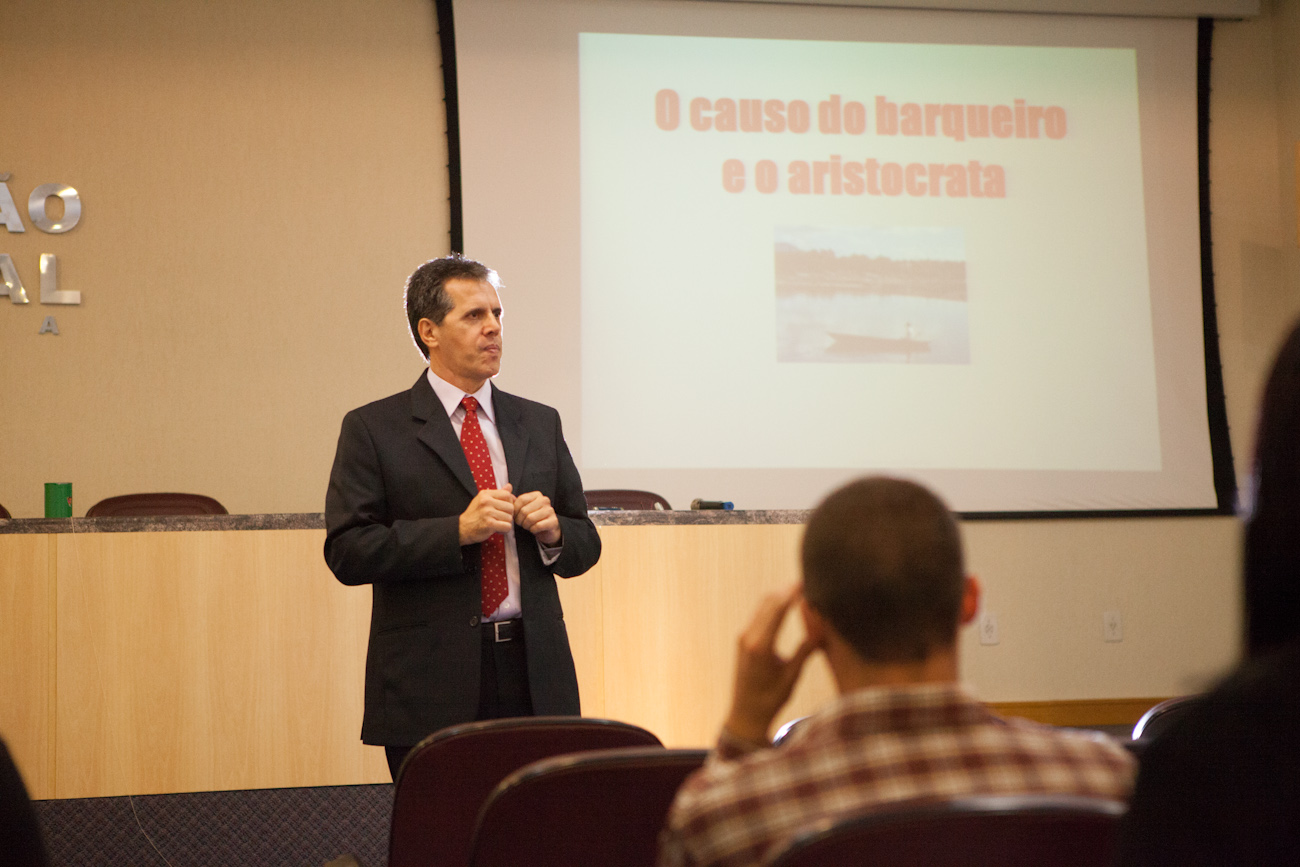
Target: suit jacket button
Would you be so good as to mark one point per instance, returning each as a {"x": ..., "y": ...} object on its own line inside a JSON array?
[{"x": 473, "y": 621}]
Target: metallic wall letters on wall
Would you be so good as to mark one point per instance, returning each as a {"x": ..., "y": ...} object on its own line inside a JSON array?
[
  {"x": 71, "y": 207},
  {"x": 10, "y": 283}
]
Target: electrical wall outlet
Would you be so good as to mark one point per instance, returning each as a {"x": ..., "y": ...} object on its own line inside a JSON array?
[
  {"x": 1112, "y": 626},
  {"x": 988, "y": 628}
]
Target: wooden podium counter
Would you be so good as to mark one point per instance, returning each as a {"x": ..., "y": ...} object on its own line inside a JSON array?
[{"x": 149, "y": 655}]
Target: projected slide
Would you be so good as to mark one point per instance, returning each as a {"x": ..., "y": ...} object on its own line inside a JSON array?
[{"x": 874, "y": 255}]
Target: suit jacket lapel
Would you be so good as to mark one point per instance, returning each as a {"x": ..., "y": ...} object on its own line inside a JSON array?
[
  {"x": 438, "y": 434},
  {"x": 514, "y": 436}
]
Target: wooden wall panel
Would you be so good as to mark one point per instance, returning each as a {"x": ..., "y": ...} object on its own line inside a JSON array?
[
  {"x": 196, "y": 661},
  {"x": 1081, "y": 714},
  {"x": 582, "y": 598},
  {"x": 27, "y": 669},
  {"x": 187, "y": 661},
  {"x": 676, "y": 598}
]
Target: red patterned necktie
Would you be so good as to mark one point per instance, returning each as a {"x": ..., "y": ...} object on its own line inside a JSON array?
[{"x": 495, "y": 586}]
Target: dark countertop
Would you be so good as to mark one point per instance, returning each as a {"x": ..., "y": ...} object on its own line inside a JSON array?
[
  {"x": 679, "y": 518},
  {"x": 163, "y": 524},
  {"x": 316, "y": 521}
]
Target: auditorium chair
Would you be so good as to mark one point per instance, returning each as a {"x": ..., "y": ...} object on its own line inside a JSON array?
[
  {"x": 446, "y": 778},
  {"x": 989, "y": 831},
  {"x": 1157, "y": 720},
  {"x": 1161, "y": 716},
  {"x": 151, "y": 505},
  {"x": 4, "y": 513},
  {"x": 616, "y": 498},
  {"x": 786, "y": 730},
  {"x": 605, "y": 807}
]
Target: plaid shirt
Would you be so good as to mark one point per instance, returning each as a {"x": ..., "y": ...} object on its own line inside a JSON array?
[{"x": 875, "y": 747}]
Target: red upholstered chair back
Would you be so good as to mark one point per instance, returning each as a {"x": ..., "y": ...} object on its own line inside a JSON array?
[
  {"x": 604, "y": 808},
  {"x": 612, "y": 498},
  {"x": 1017, "y": 831},
  {"x": 445, "y": 780},
  {"x": 138, "y": 505}
]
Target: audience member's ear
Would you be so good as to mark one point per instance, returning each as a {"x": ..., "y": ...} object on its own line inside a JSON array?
[
  {"x": 970, "y": 600},
  {"x": 814, "y": 625}
]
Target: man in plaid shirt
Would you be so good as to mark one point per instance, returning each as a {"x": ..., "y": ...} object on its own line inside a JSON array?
[{"x": 884, "y": 591}]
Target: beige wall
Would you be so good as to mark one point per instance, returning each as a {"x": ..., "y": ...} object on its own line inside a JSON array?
[
  {"x": 1255, "y": 125},
  {"x": 258, "y": 178},
  {"x": 1175, "y": 581}
]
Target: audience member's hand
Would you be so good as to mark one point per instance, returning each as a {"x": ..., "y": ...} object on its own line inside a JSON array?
[
  {"x": 764, "y": 680},
  {"x": 491, "y": 511},
  {"x": 533, "y": 512}
]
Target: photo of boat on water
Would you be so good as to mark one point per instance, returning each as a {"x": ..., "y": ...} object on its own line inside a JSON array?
[{"x": 871, "y": 295}]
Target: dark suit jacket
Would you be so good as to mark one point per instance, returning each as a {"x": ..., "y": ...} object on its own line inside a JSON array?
[{"x": 399, "y": 483}]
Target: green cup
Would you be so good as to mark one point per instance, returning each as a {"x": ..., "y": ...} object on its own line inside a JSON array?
[{"x": 58, "y": 499}]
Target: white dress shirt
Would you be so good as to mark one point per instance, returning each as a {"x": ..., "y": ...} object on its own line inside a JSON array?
[{"x": 451, "y": 396}]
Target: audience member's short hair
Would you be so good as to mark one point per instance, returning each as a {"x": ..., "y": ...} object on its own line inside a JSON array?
[
  {"x": 1272, "y": 544},
  {"x": 426, "y": 292},
  {"x": 882, "y": 562}
]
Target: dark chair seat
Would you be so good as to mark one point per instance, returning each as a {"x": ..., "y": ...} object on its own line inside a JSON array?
[
  {"x": 993, "y": 831},
  {"x": 445, "y": 780},
  {"x": 604, "y": 808},
  {"x": 617, "y": 498},
  {"x": 145, "y": 505}
]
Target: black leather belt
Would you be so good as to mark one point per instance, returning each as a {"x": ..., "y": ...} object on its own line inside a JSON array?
[{"x": 503, "y": 630}]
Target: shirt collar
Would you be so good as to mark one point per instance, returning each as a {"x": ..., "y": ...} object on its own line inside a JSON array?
[{"x": 450, "y": 396}]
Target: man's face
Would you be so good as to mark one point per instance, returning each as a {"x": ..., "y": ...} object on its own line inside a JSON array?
[{"x": 465, "y": 349}]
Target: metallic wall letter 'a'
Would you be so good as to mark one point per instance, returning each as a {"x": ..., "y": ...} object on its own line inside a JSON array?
[
  {"x": 10, "y": 284},
  {"x": 50, "y": 292},
  {"x": 71, "y": 208},
  {"x": 8, "y": 210}
]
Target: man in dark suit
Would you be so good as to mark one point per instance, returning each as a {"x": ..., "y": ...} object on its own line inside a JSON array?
[{"x": 458, "y": 503}]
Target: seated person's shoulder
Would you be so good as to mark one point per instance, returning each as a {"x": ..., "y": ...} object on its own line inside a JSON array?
[
  {"x": 1095, "y": 762},
  {"x": 1249, "y": 724},
  {"x": 731, "y": 768}
]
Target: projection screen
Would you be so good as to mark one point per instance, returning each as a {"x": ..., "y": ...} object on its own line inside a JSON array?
[{"x": 752, "y": 251}]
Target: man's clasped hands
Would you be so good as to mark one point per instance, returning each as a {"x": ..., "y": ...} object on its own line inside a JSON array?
[{"x": 497, "y": 510}]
